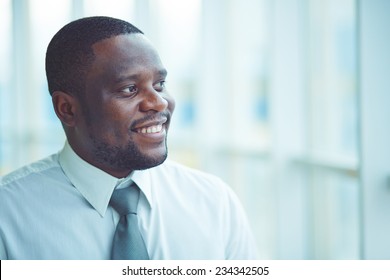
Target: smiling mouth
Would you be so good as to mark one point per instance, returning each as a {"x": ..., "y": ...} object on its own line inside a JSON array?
[{"x": 151, "y": 129}]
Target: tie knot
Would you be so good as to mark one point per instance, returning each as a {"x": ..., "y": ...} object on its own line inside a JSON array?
[{"x": 125, "y": 201}]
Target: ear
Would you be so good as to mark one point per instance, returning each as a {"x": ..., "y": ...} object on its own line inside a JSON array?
[{"x": 65, "y": 106}]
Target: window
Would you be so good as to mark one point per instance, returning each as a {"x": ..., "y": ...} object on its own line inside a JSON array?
[{"x": 267, "y": 96}]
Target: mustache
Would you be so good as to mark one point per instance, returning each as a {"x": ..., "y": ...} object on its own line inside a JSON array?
[{"x": 152, "y": 117}]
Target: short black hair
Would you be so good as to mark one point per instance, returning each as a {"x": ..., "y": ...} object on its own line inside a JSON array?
[{"x": 69, "y": 53}]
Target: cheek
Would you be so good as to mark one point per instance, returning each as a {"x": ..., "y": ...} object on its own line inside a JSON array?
[
  {"x": 122, "y": 111},
  {"x": 113, "y": 111},
  {"x": 116, "y": 120},
  {"x": 107, "y": 120}
]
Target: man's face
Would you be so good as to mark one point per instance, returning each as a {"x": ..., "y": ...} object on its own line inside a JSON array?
[{"x": 126, "y": 108}]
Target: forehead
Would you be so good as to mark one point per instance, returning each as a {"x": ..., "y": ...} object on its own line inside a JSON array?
[{"x": 127, "y": 52}]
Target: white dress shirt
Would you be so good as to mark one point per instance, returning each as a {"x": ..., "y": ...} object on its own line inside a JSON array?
[{"x": 58, "y": 208}]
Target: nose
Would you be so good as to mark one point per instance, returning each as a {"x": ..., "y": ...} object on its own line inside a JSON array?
[{"x": 152, "y": 100}]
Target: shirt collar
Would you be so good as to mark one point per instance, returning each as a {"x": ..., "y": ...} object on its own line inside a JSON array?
[{"x": 96, "y": 185}]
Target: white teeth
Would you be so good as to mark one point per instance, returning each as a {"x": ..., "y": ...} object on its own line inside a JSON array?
[{"x": 151, "y": 129}]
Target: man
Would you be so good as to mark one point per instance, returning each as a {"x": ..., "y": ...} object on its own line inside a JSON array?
[{"x": 107, "y": 84}]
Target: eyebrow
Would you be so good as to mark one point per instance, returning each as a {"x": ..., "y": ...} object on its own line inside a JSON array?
[{"x": 122, "y": 78}]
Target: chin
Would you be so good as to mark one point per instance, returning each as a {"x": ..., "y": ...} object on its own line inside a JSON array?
[{"x": 148, "y": 162}]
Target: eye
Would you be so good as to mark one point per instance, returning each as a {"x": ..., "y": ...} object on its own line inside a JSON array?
[
  {"x": 160, "y": 86},
  {"x": 130, "y": 90}
]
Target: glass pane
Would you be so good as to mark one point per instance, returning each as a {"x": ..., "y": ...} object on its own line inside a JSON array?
[
  {"x": 32, "y": 130},
  {"x": 333, "y": 136},
  {"x": 5, "y": 83},
  {"x": 123, "y": 9},
  {"x": 332, "y": 54},
  {"x": 335, "y": 216}
]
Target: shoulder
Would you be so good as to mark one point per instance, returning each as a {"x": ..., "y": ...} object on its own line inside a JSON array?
[
  {"x": 30, "y": 172},
  {"x": 23, "y": 189}
]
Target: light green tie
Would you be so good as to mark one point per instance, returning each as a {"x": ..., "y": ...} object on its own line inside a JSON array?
[{"x": 128, "y": 243}]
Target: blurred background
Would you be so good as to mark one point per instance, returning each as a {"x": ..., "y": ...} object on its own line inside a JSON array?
[{"x": 285, "y": 100}]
